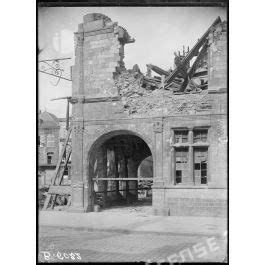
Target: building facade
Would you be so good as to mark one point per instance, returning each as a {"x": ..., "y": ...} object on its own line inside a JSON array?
[
  {"x": 113, "y": 132},
  {"x": 48, "y": 147},
  {"x": 51, "y": 138}
]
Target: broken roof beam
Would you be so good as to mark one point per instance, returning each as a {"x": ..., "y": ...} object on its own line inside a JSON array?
[
  {"x": 202, "y": 52},
  {"x": 191, "y": 71},
  {"x": 193, "y": 52},
  {"x": 157, "y": 69}
]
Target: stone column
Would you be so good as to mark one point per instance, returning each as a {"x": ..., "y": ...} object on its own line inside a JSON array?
[
  {"x": 102, "y": 172},
  {"x": 116, "y": 155},
  {"x": 159, "y": 204},
  {"x": 126, "y": 175},
  {"x": 77, "y": 170},
  {"x": 132, "y": 173},
  {"x": 77, "y": 182},
  {"x": 173, "y": 158},
  {"x": 158, "y": 130},
  {"x": 111, "y": 173},
  {"x": 191, "y": 166}
]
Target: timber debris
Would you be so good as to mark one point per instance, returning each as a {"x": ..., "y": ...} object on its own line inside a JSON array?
[{"x": 178, "y": 91}]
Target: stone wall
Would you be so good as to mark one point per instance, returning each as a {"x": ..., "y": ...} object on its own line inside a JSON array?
[
  {"x": 99, "y": 55},
  {"x": 123, "y": 106},
  {"x": 217, "y": 60}
]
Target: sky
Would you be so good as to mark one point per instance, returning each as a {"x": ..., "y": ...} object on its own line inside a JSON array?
[{"x": 158, "y": 33}]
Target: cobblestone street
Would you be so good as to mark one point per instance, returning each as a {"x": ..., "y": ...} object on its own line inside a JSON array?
[{"x": 56, "y": 244}]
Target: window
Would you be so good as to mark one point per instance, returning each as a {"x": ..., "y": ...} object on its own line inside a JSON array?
[
  {"x": 200, "y": 136},
  {"x": 182, "y": 155},
  {"x": 182, "y": 167},
  {"x": 181, "y": 136},
  {"x": 50, "y": 140},
  {"x": 200, "y": 165},
  {"x": 178, "y": 176},
  {"x": 195, "y": 172},
  {"x": 49, "y": 157},
  {"x": 41, "y": 139}
]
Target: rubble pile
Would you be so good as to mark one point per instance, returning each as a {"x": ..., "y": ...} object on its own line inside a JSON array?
[
  {"x": 181, "y": 90},
  {"x": 140, "y": 101}
]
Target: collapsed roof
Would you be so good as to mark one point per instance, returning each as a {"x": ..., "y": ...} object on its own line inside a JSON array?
[{"x": 170, "y": 91}]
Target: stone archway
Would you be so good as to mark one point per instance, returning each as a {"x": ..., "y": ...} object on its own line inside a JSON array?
[{"x": 113, "y": 161}]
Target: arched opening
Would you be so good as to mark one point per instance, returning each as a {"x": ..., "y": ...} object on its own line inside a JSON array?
[{"x": 121, "y": 170}]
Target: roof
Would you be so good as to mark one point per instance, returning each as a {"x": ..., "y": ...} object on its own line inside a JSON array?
[{"x": 47, "y": 119}]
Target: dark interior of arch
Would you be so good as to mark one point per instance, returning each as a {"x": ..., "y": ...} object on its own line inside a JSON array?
[{"x": 121, "y": 157}]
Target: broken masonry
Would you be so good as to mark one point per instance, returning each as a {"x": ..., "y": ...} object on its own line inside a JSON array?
[{"x": 175, "y": 119}]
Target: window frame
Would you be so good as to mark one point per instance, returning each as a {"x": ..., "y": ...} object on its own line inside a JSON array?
[
  {"x": 181, "y": 133},
  {"x": 192, "y": 145},
  {"x": 200, "y": 132},
  {"x": 50, "y": 141},
  {"x": 198, "y": 150},
  {"x": 49, "y": 154}
]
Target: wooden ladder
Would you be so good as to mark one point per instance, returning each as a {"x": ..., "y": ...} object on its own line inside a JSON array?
[{"x": 56, "y": 188}]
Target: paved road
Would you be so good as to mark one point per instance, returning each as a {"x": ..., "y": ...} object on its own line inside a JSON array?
[{"x": 81, "y": 245}]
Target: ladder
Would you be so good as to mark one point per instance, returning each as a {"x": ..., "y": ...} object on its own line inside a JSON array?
[{"x": 56, "y": 189}]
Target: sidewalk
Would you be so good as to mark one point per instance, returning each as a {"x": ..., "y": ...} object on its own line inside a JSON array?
[{"x": 135, "y": 223}]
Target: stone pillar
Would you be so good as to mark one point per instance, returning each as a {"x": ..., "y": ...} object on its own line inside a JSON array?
[
  {"x": 191, "y": 164},
  {"x": 158, "y": 130},
  {"x": 173, "y": 158},
  {"x": 77, "y": 170},
  {"x": 159, "y": 204},
  {"x": 102, "y": 172},
  {"x": 111, "y": 173},
  {"x": 217, "y": 59},
  {"x": 116, "y": 156},
  {"x": 132, "y": 173},
  {"x": 126, "y": 175},
  {"x": 77, "y": 182}
]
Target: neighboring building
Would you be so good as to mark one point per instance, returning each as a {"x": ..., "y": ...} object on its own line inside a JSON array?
[
  {"x": 51, "y": 137},
  {"x": 48, "y": 146},
  {"x": 115, "y": 129}
]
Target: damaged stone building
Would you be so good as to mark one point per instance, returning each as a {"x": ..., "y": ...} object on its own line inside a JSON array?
[{"x": 176, "y": 118}]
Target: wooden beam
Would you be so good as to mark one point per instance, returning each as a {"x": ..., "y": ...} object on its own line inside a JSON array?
[
  {"x": 64, "y": 167},
  {"x": 60, "y": 190},
  {"x": 193, "y": 68},
  {"x": 193, "y": 52},
  {"x": 123, "y": 179},
  {"x": 58, "y": 166},
  {"x": 158, "y": 70},
  {"x": 199, "y": 57}
]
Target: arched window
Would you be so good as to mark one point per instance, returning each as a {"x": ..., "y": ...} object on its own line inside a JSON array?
[{"x": 49, "y": 157}]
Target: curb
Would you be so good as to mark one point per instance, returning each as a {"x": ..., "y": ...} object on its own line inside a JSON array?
[{"x": 128, "y": 231}]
